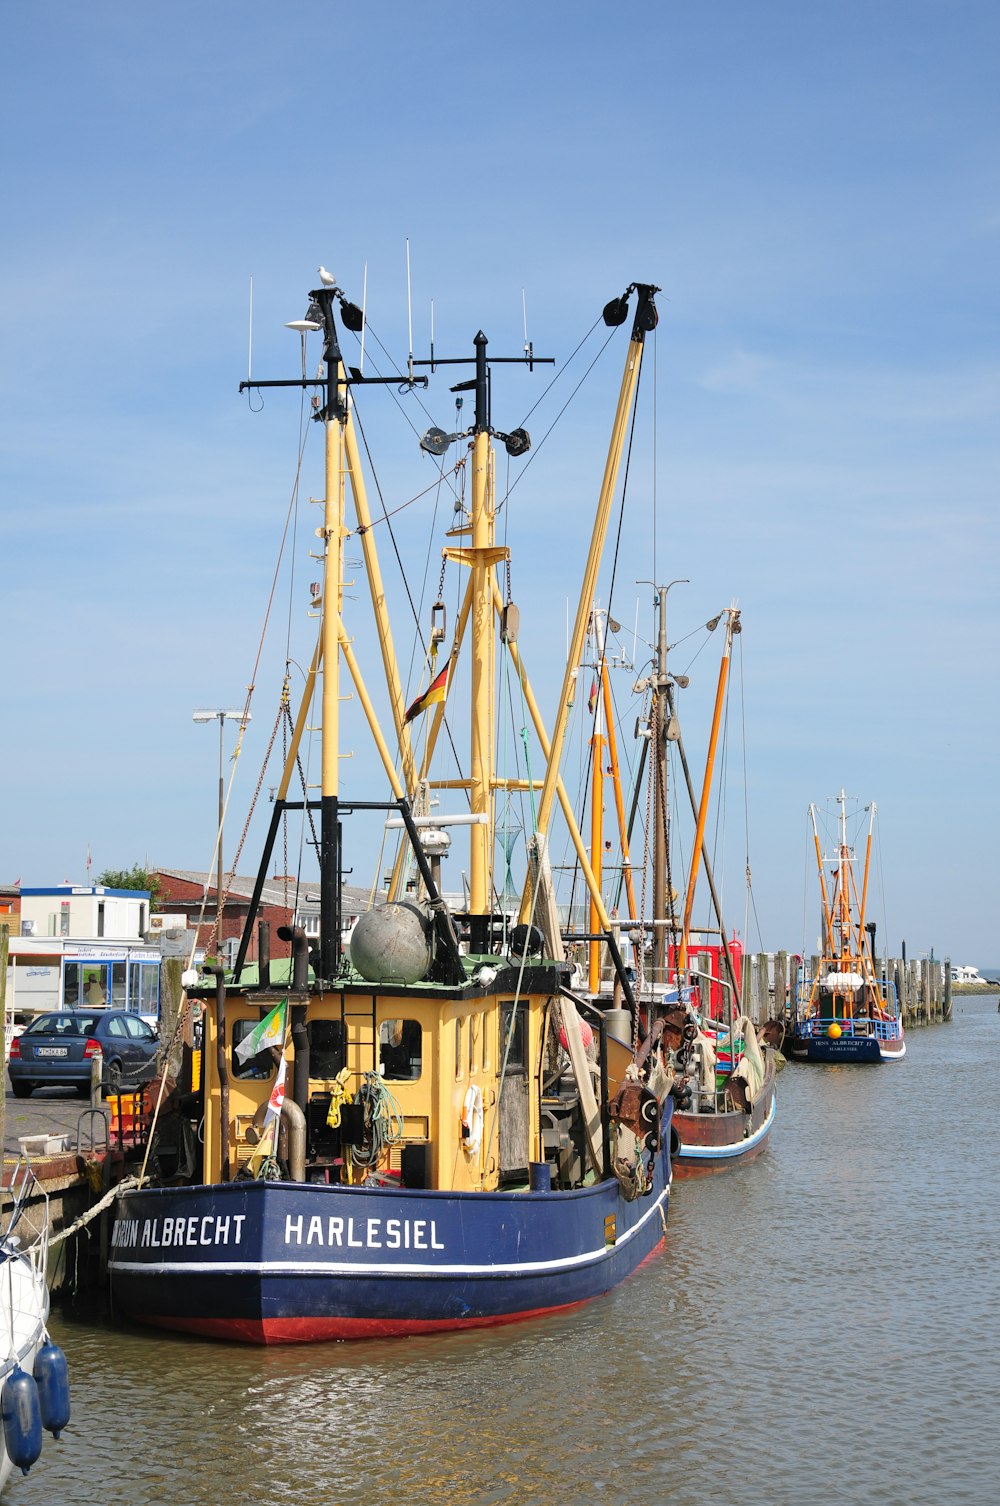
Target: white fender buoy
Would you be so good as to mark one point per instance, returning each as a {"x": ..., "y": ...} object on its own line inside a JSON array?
[{"x": 472, "y": 1121}]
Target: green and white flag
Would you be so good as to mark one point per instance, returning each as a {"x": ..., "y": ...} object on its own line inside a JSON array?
[{"x": 270, "y": 1032}]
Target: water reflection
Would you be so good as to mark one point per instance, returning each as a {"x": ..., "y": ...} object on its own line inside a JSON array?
[{"x": 817, "y": 1332}]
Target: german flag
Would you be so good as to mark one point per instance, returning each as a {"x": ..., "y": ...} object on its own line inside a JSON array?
[{"x": 436, "y": 691}]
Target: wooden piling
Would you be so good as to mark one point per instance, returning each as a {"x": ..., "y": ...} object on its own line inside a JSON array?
[{"x": 780, "y": 985}]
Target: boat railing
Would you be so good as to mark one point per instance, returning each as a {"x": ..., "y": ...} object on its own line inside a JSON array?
[
  {"x": 28, "y": 1224},
  {"x": 880, "y": 1028}
]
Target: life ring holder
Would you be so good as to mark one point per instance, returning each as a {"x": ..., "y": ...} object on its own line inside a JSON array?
[{"x": 472, "y": 1120}]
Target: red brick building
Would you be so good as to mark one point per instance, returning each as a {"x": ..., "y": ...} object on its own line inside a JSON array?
[{"x": 187, "y": 893}]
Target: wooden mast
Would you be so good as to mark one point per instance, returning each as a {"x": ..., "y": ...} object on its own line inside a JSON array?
[
  {"x": 732, "y": 626},
  {"x": 659, "y": 728},
  {"x": 609, "y": 721}
]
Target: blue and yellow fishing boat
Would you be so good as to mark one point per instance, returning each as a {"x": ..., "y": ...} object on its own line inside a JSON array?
[{"x": 424, "y": 1127}]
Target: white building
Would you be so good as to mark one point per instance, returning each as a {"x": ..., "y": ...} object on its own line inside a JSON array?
[{"x": 81, "y": 945}]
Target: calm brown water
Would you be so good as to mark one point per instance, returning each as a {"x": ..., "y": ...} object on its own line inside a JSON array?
[{"x": 822, "y": 1331}]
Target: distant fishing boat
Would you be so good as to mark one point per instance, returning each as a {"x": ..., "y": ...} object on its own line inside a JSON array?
[
  {"x": 688, "y": 987},
  {"x": 845, "y": 1012},
  {"x": 724, "y": 1089},
  {"x": 457, "y": 1147}
]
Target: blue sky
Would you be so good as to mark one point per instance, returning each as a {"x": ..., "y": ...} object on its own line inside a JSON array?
[{"x": 815, "y": 189}]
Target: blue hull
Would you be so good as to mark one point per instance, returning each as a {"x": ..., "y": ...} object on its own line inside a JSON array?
[
  {"x": 287, "y": 1262},
  {"x": 848, "y": 1048}
]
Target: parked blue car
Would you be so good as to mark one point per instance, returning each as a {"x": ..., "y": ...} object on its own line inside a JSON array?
[{"x": 58, "y": 1048}]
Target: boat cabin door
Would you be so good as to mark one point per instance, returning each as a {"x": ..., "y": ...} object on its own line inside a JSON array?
[{"x": 514, "y": 1118}]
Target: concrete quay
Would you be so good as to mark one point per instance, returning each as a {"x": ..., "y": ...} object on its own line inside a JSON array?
[{"x": 70, "y": 1179}]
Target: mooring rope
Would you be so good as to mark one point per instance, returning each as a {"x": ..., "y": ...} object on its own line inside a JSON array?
[{"x": 125, "y": 1185}]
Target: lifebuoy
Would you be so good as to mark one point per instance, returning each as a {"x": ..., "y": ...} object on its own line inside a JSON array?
[{"x": 472, "y": 1121}]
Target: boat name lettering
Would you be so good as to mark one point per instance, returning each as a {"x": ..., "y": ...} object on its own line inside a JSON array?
[
  {"x": 363, "y": 1233},
  {"x": 166, "y": 1233}
]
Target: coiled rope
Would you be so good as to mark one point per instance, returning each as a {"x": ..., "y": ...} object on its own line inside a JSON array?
[{"x": 383, "y": 1121}]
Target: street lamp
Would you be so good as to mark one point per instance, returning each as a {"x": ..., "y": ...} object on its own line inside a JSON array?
[{"x": 221, "y": 717}]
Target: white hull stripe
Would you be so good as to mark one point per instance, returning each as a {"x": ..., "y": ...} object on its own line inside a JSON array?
[
  {"x": 346, "y": 1268},
  {"x": 725, "y": 1152}
]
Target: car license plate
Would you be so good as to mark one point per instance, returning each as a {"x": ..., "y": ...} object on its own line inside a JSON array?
[{"x": 51, "y": 1050}]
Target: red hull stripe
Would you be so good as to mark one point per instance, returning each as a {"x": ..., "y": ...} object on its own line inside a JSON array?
[{"x": 315, "y": 1330}]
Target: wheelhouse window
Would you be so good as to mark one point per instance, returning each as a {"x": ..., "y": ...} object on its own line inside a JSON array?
[
  {"x": 259, "y": 1066},
  {"x": 400, "y": 1050},
  {"x": 513, "y": 1038},
  {"x": 326, "y": 1047}
]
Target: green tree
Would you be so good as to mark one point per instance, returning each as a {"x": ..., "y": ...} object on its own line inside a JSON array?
[{"x": 135, "y": 877}]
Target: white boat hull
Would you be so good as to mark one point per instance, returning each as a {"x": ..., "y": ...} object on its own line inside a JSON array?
[{"x": 24, "y": 1312}]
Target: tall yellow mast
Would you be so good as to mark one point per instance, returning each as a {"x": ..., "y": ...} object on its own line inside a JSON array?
[
  {"x": 341, "y": 458},
  {"x": 377, "y": 590},
  {"x": 481, "y": 555},
  {"x": 616, "y": 312},
  {"x": 827, "y": 910},
  {"x": 597, "y": 802},
  {"x": 483, "y": 669}
]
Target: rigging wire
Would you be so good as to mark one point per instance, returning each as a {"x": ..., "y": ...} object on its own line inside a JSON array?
[
  {"x": 805, "y": 887},
  {"x": 538, "y": 444},
  {"x": 459, "y": 469},
  {"x": 751, "y": 897},
  {"x": 290, "y": 515},
  {"x": 561, "y": 371}
]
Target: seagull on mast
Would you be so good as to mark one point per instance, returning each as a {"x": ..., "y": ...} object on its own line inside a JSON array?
[{"x": 327, "y": 278}]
